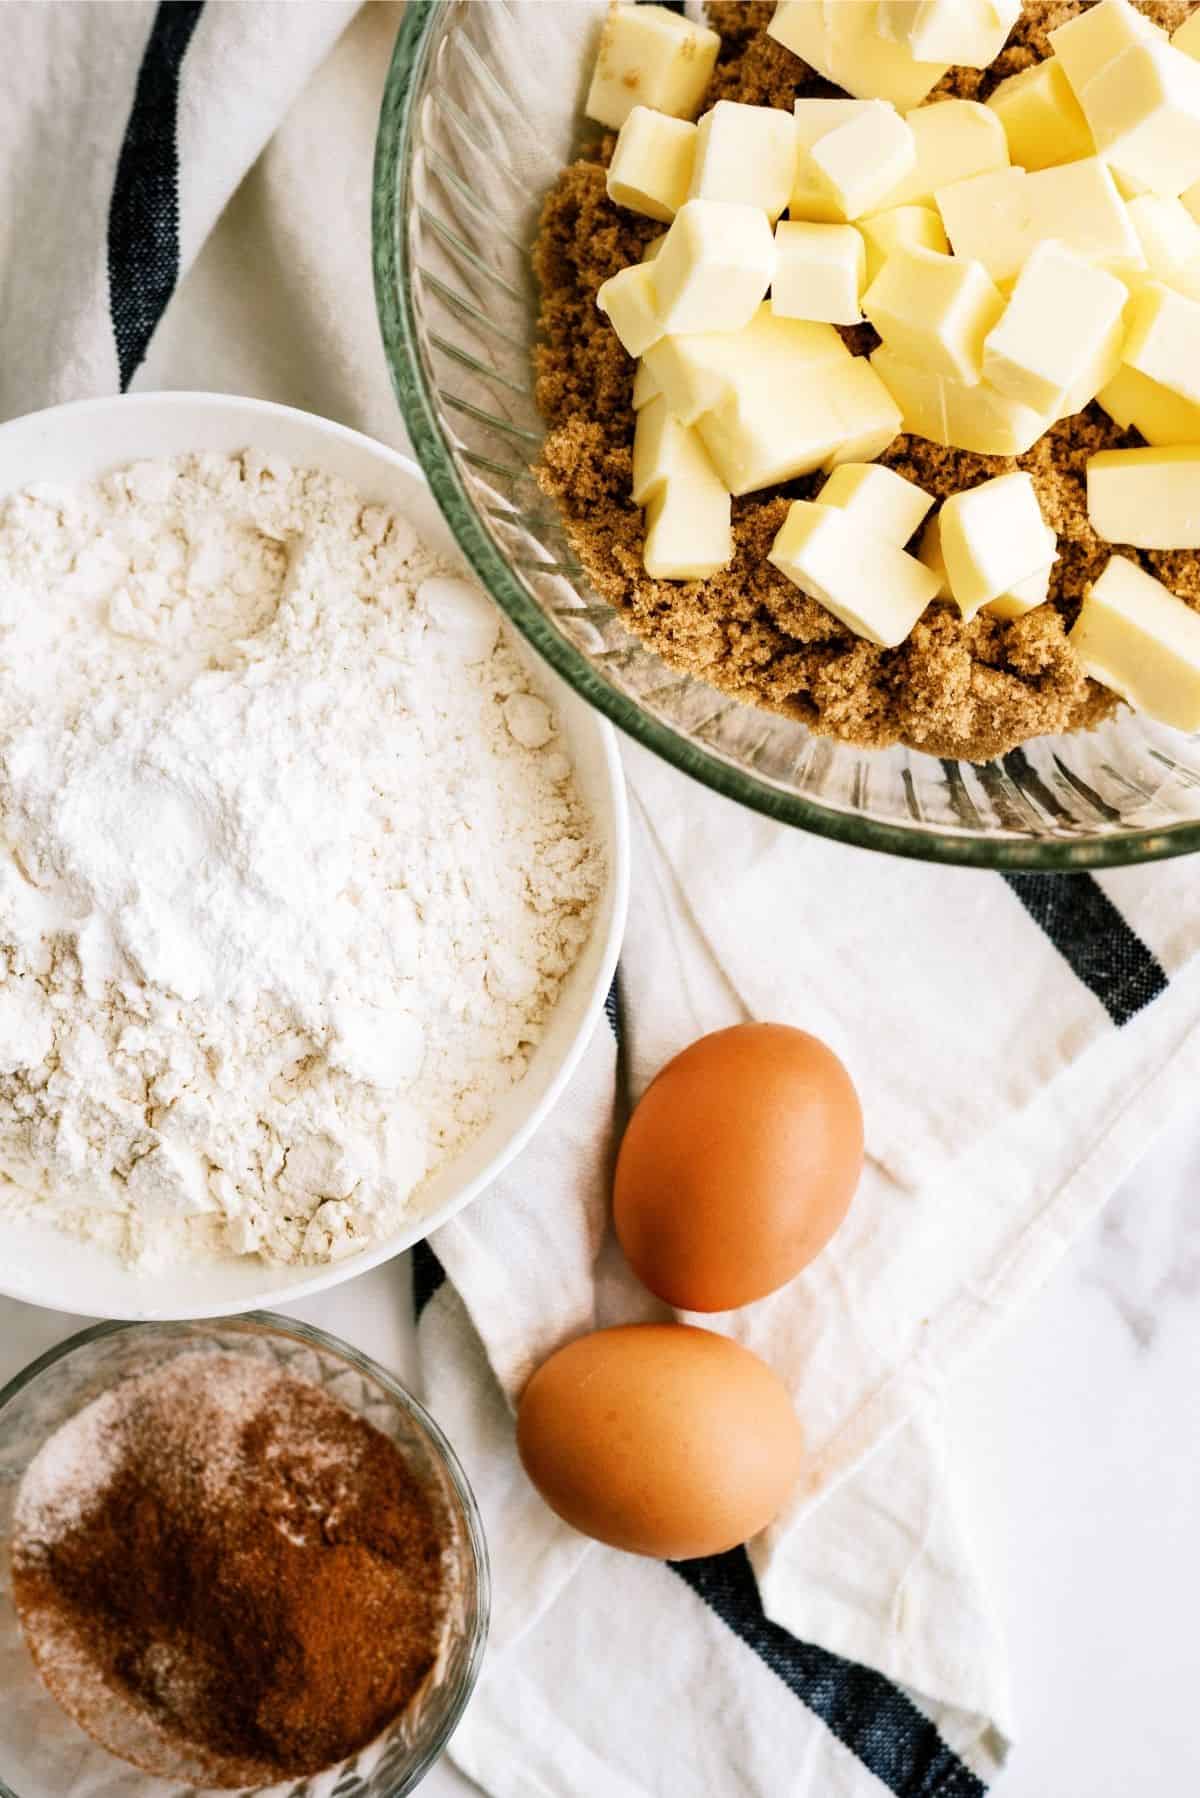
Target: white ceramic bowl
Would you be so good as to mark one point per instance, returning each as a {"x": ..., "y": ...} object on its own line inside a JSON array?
[{"x": 79, "y": 442}]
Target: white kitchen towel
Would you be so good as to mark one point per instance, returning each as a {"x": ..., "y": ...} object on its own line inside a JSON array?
[{"x": 1016, "y": 1041}]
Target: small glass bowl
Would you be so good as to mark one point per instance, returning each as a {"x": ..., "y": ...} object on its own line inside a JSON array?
[
  {"x": 483, "y": 106},
  {"x": 43, "y": 1752}
]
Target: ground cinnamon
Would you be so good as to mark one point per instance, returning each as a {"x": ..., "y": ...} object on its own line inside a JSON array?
[
  {"x": 227, "y": 1576},
  {"x": 955, "y": 689}
]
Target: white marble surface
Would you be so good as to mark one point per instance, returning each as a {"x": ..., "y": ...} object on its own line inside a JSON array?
[{"x": 1078, "y": 1438}]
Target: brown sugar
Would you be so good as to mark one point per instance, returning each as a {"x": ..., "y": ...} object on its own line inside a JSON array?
[{"x": 955, "y": 689}]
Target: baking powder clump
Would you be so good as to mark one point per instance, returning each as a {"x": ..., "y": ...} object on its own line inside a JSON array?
[{"x": 292, "y": 864}]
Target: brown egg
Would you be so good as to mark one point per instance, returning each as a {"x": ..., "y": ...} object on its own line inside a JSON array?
[
  {"x": 660, "y": 1439},
  {"x": 738, "y": 1166}
]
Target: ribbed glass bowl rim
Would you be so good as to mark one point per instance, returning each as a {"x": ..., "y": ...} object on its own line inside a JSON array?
[
  {"x": 272, "y": 1323},
  {"x": 394, "y": 147}
]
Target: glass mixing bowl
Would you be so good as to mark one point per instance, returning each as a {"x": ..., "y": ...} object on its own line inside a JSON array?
[
  {"x": 43, "y": 1752},
  {"x": 482, "y": 107}
]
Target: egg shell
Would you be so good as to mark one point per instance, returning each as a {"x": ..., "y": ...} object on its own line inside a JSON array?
[
  {"x": 737, "y": 1166},
  {"x": 661, "y": 1439}
]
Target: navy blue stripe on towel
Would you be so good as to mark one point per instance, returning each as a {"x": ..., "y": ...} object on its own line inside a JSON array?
[
  {"x": 1093, "y": 939},
  {"x": 874, "y": 1718},
  {"x": 427, "y": 1275},
  {"x": 143, "y": 216}
]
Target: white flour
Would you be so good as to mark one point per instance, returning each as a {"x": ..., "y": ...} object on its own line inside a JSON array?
[{"x": 291, "y": 866}]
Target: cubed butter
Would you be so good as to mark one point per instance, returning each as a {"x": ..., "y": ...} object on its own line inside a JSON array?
[
  {"x": 988, "y": 218},
  {"x": 975, "y": 418},
  {"x": 1000, "y": 218},
  {"x": 714, "y": 268},
  {"x": 1191, "y": 199},
  {"x": 1186, "y": 37},
  {"x": 1170, "y": 239},
  {"x": 935, "y": 311},
  {"x": 697, "y": 371},
  {"x": 746, "y": 155},
  {"x": 953, "y": 140},
  {"x": 1144, "y": 114},
  {"x": 644, "y": 387},
  {"x": 630, "y": 303},
  {"x": 862, "y": 161},
  {"x": 1042, "y": 119},
  {"x": 689, "y": 531},
  {"x": 812, "y": 197},
  {"x": 971, "y": 33},
  {"x": 1136, "y": 637},
  {"x": 878, "y": 499},
  {"x": 650, "y": 56},
  {"x": 663, "y": 450},
  {"x": 874, "y": 589},
  {"x": 1060, "y": 334},
  {"x": 651, "y": 168},
  {"x": 840, "y": 39},
  {"x": 868, "y": 417},
  {"x": 1163, "y": 340},
  {"x": 1133, "y": 399},
  {"x": 820, "y": 272},
  {"x": 1024, "y": 596},
  {"x": 1088, "y": 43},
  {"x": 992, "y": 537},
  {"x": 1149, "y": 498},
  {"x": 768, "y": 430},
  {"x": 902, "y": 227}
]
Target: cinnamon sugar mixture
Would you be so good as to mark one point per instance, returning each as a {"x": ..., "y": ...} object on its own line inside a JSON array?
[
  {"x": 955, "y": 689},
  {"x": 225, "y": 1575}
]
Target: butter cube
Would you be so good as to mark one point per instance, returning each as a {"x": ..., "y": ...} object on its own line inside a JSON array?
[
  {"x": 689, "y": 531},
  {"x": 969, "y": 32},
  {"x": 1060, "y": 334},
  {"x": 1191, "y": 199},
  {"x": 663, "y": 450},
  {"x": 1087, "y": 44},
  {"x": 650, "y": 56},
  {"x": 840, "y": 39},
  {"x": 1042, "y": 119},
  {"x": 874, "y": 589},
  {"x": 820, "y": 272},
  {"x": 1170, "y": 238},
  {"x": 1187, "y": 36},
  {"x": 688, "y": 514},
  {"x": 768, "y": 430},
  {"x": 953, "y": 139},
  {"x": 1147, "y": 497},
  {"x": 630, "y": 303},
  {"x": 811, "y": 196},
  {"x": 1144, "y": 114},
  {"x": 862, "y": 161},
  {"x": 902, "y": 227},
  {"x": 988, "y": 218},
  {"x": 697, "y": 370},
  {"x": 1135, "y": 636},
  {"x": 935, "y": 311},
  {"x": 746, "y": 155},
  {"x": 878, "y": 499},
  {"x": 644, "y": 387},
  {"x": 1000, "y": 218},
  {"x": 651, "y": 168},
  {"x": 868, "y": 417},
  {"x": 714, "y": 268},
  {"x": 1133, "y": 399},
  {"x": 1164, "y": 339},
  {"x": 992, "y": 537},
  {"x": 974, "y": 418},
  {"x": 1024, "y": 596}
]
